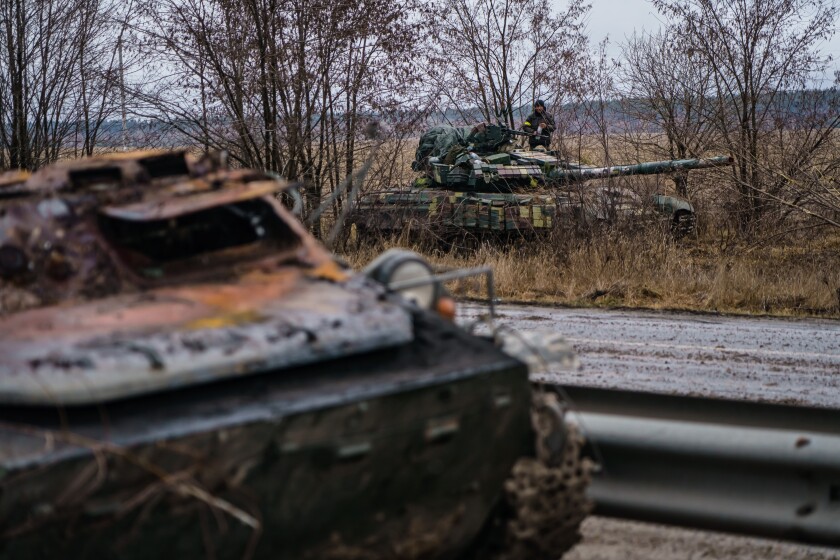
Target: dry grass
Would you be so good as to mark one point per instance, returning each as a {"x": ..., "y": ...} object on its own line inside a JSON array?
[{"x": 649, "y": 270}]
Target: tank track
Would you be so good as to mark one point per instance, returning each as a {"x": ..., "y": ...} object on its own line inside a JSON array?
[{"x": 545, "y": 498}]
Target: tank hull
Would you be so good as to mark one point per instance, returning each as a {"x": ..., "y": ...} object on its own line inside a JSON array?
[{"x": 388, "y": 452}]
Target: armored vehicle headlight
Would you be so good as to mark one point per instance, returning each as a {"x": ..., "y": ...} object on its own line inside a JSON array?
[{"x": 408, "y": 274}]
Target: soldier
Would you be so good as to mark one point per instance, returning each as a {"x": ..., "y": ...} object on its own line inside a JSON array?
[{"x": 540, "y": 124}]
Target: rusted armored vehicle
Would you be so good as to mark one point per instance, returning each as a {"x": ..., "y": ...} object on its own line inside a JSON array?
[
  {"x": 476, "y": 182},
  {"x": 185, "y": 372}
]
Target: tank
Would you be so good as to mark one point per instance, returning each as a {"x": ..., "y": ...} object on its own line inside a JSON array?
[
  {"x": 476, "y": 182},
  {"x": 186, "y": 372}
]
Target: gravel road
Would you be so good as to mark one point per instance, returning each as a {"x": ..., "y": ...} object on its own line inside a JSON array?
[{"x": 758, "y": 359}]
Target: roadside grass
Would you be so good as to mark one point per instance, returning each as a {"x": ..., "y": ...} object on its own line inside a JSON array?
[{"x": 648, "y": 269}]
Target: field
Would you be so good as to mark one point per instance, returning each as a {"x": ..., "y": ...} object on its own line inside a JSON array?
[{"x": 791, "y": 272}]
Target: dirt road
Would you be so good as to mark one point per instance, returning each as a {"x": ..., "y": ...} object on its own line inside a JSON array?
[
  {"x": 771, "y": 360},
  {"x": 612, "y": 539}
]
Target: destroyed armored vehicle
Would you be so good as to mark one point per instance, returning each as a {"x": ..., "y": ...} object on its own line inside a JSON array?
[
  {"x": 475, "y": 181},
  {"x": 185, "y": 372}
]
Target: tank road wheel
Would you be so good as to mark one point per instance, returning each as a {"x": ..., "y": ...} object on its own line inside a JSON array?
[
  {"x": 683, "y": 223},
  {"x": 545, "y": 498},
  {"x": 471, "y": 242}
]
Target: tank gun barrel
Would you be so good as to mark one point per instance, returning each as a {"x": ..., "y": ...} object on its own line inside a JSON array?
[{"x": 647, "y": 168}]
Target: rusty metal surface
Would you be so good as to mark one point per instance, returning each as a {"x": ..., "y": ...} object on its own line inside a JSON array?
[
  {"x": 183, "y": 198},
  {"x": 53, "y": 248},
  {"x": 167, "y": 338},
  {"x": 449, "y": 354},
  {"x": 196, "y": 375},
  {"x": 147, "y": 271},
  {"x": 9, "y": 180}
]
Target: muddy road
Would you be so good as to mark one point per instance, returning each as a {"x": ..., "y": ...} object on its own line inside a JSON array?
[
  {"x": 613, "y": 539},
  {"x": 791, "y": 361}
]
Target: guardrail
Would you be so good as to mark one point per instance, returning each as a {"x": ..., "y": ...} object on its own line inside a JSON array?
[{"x": 760, "y": 469}]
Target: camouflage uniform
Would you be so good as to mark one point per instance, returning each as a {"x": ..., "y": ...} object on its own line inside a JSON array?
[{"x": 532, "y": 124}]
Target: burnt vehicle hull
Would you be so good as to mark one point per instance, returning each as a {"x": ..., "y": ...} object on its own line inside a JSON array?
[
  {"x": 185, "y": 371},
  {"x": 389, "y": 454}
]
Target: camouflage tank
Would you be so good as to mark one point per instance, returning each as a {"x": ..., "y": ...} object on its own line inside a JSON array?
[
  {"x": 186, "y": 372},
  {"x": 476, "y": 182}
]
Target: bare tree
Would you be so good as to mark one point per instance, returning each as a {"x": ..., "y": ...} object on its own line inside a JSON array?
[
  {"x": 96, "y": 95},
  {"x": 51, "y": 77},
  {"x": 284, "y": 85},
  {"x": 760, "y": 53},
  {"x": 597, "y": 100},
  {"x": 800, "y": 159},
  {"x": 668, "y": 90},
  {"x": 501, "y": 55}
]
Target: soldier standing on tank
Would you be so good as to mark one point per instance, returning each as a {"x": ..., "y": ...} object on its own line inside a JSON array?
[{"x": 540, "y": 125}]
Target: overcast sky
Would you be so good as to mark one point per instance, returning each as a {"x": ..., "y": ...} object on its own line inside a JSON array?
[{"x": 618, "y": 18}]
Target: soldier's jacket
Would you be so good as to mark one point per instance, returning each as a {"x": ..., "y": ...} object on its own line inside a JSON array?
[{"x": 532, "y": 124}]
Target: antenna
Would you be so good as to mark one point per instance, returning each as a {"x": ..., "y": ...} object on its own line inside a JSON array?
[{"x": 122, "y": 91}]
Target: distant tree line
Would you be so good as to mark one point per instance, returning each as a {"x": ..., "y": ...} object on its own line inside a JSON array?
[
  {"x": 291, "y": 86},
  {"x": 58, "y": 77}
]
